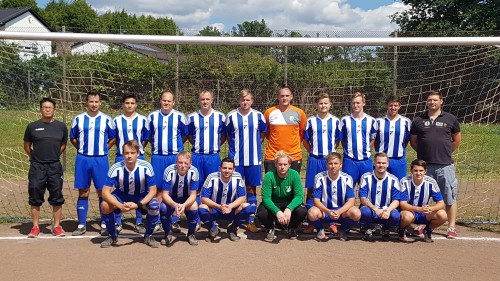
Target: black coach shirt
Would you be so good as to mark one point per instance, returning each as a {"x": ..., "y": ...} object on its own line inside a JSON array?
[
  {"x": 46, "y": 139},
  {"x": 434, "y": 137}
]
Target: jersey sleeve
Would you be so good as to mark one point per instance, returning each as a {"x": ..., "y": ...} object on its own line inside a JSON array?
[
  {"x": 302, "y": 125},
  {"x": 403, "y": 192},
  {"x": 74, "y": 132},
  {"x": 373, "y": 129},
  {"x": 307, "y": 131},
  {"x": 27, "y": 134},
  {"x": 241, "y": 189},
  {"x": 262, "y": 123},
  {"x": 194, "y": 183},
  {"x": 111, "y": 129},
  {"x": 349, "y": 193},
  {"x": 338, "y": 131},
  {"x": 363, "y": 189}
]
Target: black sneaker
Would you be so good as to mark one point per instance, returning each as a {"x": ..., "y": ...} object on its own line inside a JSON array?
[
  {"x": 233, "y": 235},
  {"x": 139, "y": 228},
  {"x": 192, "y": 240},
  {"x": 151, "y": 242},
  {"x": 368, "y": 235},
  {"x": 109, "y": 241},
  {"x": 386, "y": 235},
  {"x": 270, "y": 235},
  {"x": 292, "y": 234},
  {"x": 167, "y": 240},
  {"x": 176, "y": 228}
]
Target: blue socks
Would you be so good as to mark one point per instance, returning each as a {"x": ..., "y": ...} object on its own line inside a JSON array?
[{"x": 82, "y": 208}]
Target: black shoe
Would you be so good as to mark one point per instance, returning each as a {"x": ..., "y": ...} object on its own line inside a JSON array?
[{"x": 109, "y": 241}]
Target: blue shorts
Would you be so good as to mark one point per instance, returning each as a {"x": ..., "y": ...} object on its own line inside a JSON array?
[
  {"x": 315, "y": 165},
  {"x": 218, "y": 215},
  {"x": 120, "y": 158},
  {"x": 89, "y": 168},
  {"x": 251, "y": 174},
  {"x": 206, "y": 164},
  {"x": 160, "y": 163},
  {"x": 122, "y": 197},
  {"x": 420, "y": 218},
  {"x": 356, "y": 168},
  {"x": 398, "y": 167}
]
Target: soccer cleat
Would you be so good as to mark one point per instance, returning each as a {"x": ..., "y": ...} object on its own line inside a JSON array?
[
  {"x": 270, "y": 235},
  {"x": 428, "y": 237},
  {"x": 168, "y": 239},
  {"x": 402, "y": 235},
  {"x": 151, "y": 242},
  {"x": 333, "y": 228},
  {"x": 58, "y": 231},
  {"x": 35, "y": 231},
  {"x": 233, "y": 235},
  {"x": 119, "y": 228},
  {"x": 109, "y": 241},
  {"x": 80, "y": 230},
  {"x": 253, "y": 228},
  {"x": 176, "y": 228},
  {"x": 309, "y": 229},
  {"x": 321, "y": 234},
  {"x": 213, "y": 232},
  {"x": 419, "y": 231},
  {"x": 343, "y": 235},
  {"x": 386, "y": 235},
  {"x": 104, "y": 230},
  {"x": 292, "y": 234},
  {"x": 139, "y": 228},
  {"x": 192, "y": 240},
  {"x": 368, "y": 235},
  {"x": 451, "y": 233}
]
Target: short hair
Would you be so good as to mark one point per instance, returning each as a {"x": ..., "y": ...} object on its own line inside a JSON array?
[
  {"x": 245, "y": 92},
  {"x": 333, "y": 155},
  {"x": 185, "y": 154},
  {"x": 206, "y": 91},
  {"x": 322, "y": 95},
  {"x": 358, "y": 94},
  {"x": 380, "y": 154},
  {"x": 392, "y": 98},
  {"x": 227, "y": 160},
  {"x": 47, "y": 99},
  {"x": 132, "y": 143},
  {"x": 435, "y": 93},
  {"x": 92, "y": 94},
  {"x": 167, "y": 92},
  {"x": 283, "y": 87},
  {"x": 129, "y": 96},
  {"x": 282, "y": 154},
  {"x": 418, "y": 162}
]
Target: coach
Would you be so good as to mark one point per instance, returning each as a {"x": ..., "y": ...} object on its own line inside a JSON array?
[
  {"x": 44, "y": 141},
  {"x": 434, "y": 136}
]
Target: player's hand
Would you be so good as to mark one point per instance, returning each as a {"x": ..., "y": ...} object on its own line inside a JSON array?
[
  {"x": 426, "y": 209},
  {"x": 334, "y": 215},
  {"x": 226, "y": 209},
  {"x": 180, "y": 209},
  {"x": 125, "y": 207},
  {"x": 288, "y": 215},
  {"x": 385, "y": 214},
  {"x": 281, "y": 217},
  {"x": 379, "y": 212}
]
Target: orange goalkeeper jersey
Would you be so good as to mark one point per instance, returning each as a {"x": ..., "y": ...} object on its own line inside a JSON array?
[{"x": 285, "y": 131}]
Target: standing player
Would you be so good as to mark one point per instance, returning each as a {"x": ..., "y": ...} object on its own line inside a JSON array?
[
  {"x": 322, "y": 136},
  {"x": 224, "y": 197},
  {"x": 245, "y": 129},
  {"x": 134, "y": 189},
  {"x": 379, "y": 193},
  {"x": 92, "y": 134},
  {"x": 393, "y": 135},
  {"x": 416, "y": 191},
  {"x": 44, "y": 142},
  {"x": 180, "y": 184},
  {"x": 285, "y": 130},
  {"x": 282, "y": 195},
  {"x": 434, "y": 136},
  {"x": 358, "y": 134},
  {"x": 168, "y": 132},
  {"x": 130, "y": 126},
  {"x": 333, "y": 199}
]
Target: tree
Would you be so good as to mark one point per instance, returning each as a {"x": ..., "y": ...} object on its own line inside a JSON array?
[
  {"x": 77, "y": 15},
  {"x": 20, "y": 3},
  {"x": 252, "y": 29},
  {"x": 209, "y": 31},
  {"x": 449, "y": 15}
]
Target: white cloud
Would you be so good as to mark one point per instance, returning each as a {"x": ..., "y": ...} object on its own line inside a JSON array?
[{"x": 301, "y": 15}]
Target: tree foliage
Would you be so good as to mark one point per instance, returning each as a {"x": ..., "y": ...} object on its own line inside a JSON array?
[
  {"x": 76, "y": 16},
  {"x": 20, "y": 3},
  {"x": 252, "y": 29}
]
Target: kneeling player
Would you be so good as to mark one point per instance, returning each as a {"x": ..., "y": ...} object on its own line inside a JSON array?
[
  {"x": 135, "y": 189},
  {"x": 333, "y": 199},
  {"x": 224, "y": 197},
  {"x": 417, "y": 190},
  {"x": 379, "y": 194},
  {"x": 180, "y": 184}
]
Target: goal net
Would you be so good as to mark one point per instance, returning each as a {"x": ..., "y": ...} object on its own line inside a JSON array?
[{"x": 467, "y": 74}]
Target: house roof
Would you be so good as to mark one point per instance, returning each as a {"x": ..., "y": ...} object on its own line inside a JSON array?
[
  {"x": 142, "y": 49},
  {"x": 9, "y": 14}
]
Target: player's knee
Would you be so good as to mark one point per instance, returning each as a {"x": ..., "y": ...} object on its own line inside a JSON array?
[
  {"x": 84, "y": 193},
  {"x": 441, "y": 216},
  {"x": 163, "y": 208},
  {"x": 203, "y": 206},
  {"x": 406, "y": 218},
  {"x": 154, "y": 207},
  {"x": 193, "y": 207},
  {"x": 313, "y": 213},
  {"x": 354, "y": 213},
  {"x": 106, "y": 208}
]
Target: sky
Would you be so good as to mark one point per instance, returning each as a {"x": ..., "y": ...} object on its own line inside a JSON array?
[{"x": 306, "y": 15}]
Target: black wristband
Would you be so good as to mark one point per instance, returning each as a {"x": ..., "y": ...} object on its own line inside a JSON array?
[{"x": 139, "y": 205}]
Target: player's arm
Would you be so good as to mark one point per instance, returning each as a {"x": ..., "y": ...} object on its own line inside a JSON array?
[
  {"x": 236, "y": 203},
  {"x": 190, "y": 139},
  {"x": 111, "y": 143},
  {"x": 223, "y": 138},
  {"x": 306, "y": 145},
  {"x": 27, "y": 148},
  {"x": 151, "y": 194},
  {"x": 438, "y": 206},
  {"x": 110, "y": 199},
  {"x": 74, "y": 142},
  {"x": 348, "y": 204},
  {"x": 207, "y": 201},
  {"x": 191, "y": 199},
  {"x": 318, "y": 204},
  {"x": 456, "y": 139},
  {"x": 414, "y": 142},
  {"x": 167, "y": 199},
  {"x": 408, "y": 207},
  {"x": 367, "y": 203}
]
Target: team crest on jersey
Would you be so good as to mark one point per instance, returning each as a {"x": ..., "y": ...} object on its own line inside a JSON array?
[
  {"x": 439, "y": 124},
  {"x": 288, "y": 188},
  {"x": 427, "y": 123}
]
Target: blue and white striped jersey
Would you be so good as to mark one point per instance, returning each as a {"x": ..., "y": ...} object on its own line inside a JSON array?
[
  {"x": 206, "y": 131},
  {"x": 357, "y": 134},
  {"x": 393, "y": 136},
  {"x": 223, "y": 193},
  {"x": 420, "y": 195},
  {"x": 244, "y": 132},
  {"x": 380, "y": 192},
  {"x": 136, "y": 182},
  {"x": 321, "y": 134},
  {"x": 333, "y": 193},
  {"x": 127, "y": 129},
  {"x": 166, "y": 132},
  {"x": 180, "y": 186},
  {"x": 92, "y": 133}
]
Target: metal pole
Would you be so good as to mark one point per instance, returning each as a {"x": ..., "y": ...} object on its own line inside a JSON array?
[
  {"x": 177, "y": 48},
  {"x": 285, "y": 74},
  {"x": 395, "y": 69},
  {"x": 65, "y": 97}
]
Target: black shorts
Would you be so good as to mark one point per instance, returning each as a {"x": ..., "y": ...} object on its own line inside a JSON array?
[{"x": 42, "y": 177}]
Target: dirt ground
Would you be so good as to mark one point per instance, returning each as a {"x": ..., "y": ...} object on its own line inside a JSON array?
[{"x": 471, "y": 258}]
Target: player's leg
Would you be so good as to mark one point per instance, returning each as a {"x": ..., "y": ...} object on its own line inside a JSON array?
[
  {"x": 207, "y": 216},
  {"x": 367, "y": 216},
  {"x": 398, "y": 167},
  {"x": 108, "y": 213},
  {"x": 450, "y": 198},
  {"x": 388, "y": 224},
  {"x": 349, "y": 219},
  {"x": 242, "y": 213},
  {"x": 82, "y": 183},
  {"x": 118, "y": 215},
  {"x": 152, "y": 217},
  {"x": 349, "y": 167},
  {"x": 315, "y": 216},
  {"x": 406, "y": 219},
  {"x": 314, "y": 166},
  {"x": 56, "y": 198},
  {"x": 193, "y": 219},
  {"x": 166, "y": 212},
  {"x": 298, "y": 216},
  {"x": 99, "y": 172},
  {"x": 37, "y": 178},
  {"x": 253, "y": 178},
  {"x": 266, "y": 218}
]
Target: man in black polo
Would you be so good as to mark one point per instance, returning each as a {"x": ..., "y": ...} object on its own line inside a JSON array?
[
  {"x": 44, "y": 142},
  {"x": 434, "y": 136}
]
